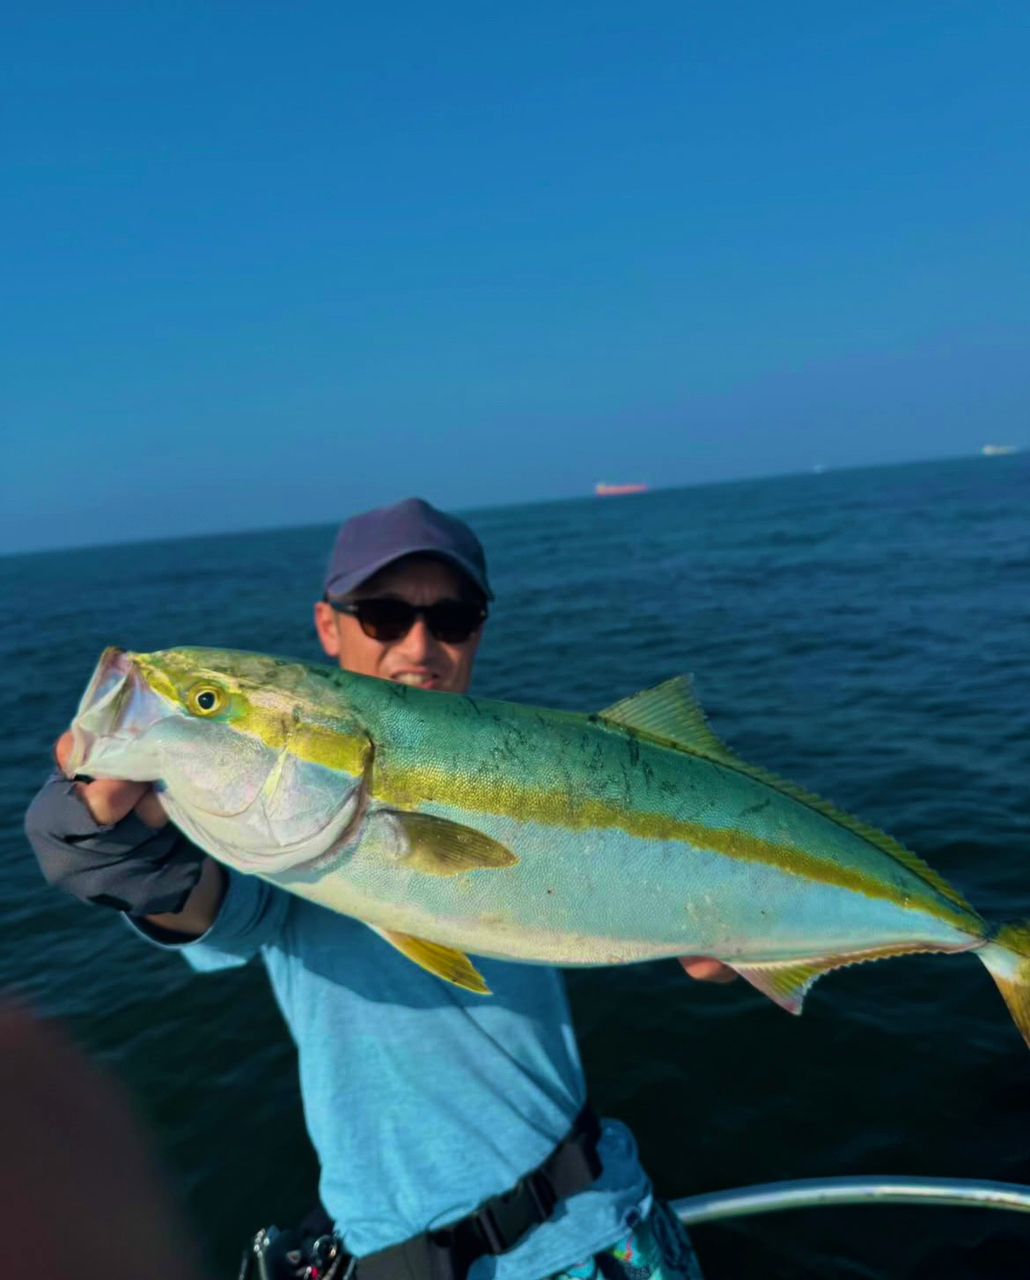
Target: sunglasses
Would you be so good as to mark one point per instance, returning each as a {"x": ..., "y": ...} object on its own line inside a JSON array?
[{"x": 384, "y": 618}]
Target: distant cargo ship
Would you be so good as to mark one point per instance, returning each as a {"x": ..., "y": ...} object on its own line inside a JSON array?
[
  {"x": 617, "y": 490},
  {"x": 997, "y": 450}
]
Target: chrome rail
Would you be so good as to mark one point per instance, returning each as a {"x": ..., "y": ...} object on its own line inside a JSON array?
[{"x": 808, "y": 1193}]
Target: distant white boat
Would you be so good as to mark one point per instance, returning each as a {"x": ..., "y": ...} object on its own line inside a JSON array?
[{"x": 997, "y": 450}]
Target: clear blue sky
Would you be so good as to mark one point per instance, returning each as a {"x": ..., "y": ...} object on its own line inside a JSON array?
[{"x": 268, "y": 263}]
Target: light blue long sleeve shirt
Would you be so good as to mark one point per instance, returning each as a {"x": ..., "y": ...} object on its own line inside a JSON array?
[{"x": 423, "y": 1100}]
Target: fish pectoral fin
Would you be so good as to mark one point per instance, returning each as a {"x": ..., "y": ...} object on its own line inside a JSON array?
[
  {"x": 444, "y": 962},
  {"x": 787, "y": 982},
  {"x": 439, "y": 847}
]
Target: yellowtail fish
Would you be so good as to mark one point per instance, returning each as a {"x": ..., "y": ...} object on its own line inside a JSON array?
[{"x": 455, "y": 825}]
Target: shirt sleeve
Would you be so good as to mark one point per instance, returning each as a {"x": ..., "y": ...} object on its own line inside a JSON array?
[{"x": 251, "y": 917}]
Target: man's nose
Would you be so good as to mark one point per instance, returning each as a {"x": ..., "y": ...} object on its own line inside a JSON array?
[{"x": 418, "y": 644}]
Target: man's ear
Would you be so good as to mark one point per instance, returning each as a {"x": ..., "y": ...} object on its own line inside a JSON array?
[{"x": 325, "y": 626}]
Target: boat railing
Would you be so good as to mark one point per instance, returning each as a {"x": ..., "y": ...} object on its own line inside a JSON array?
[{"x": 809, "y": 1193}]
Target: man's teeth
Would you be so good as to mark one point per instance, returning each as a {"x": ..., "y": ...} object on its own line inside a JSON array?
[{"x": 412, "y": 677}]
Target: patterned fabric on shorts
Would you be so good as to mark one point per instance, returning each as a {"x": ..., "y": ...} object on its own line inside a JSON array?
[{"x": 656, "y": 1249}]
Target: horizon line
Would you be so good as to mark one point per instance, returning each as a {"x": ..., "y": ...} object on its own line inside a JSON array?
[{"x": 820, "y": 469}]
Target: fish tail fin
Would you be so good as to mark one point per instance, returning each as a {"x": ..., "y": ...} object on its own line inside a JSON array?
[{"x": 1007, "y": 957}]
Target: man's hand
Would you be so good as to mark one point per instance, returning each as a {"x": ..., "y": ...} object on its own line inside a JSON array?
[
  {"x": 110, "y": 800},
  {"x": 109, "y": 842},
  {"x": 705, "y": 970}
]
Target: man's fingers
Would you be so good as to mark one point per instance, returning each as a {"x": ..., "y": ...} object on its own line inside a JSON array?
[
  {"x": 62, "y": 750},
  {"x": 149, "y": 810},
  {"x": 110, "y": 799},
  {"x": 707, "y": 970}
]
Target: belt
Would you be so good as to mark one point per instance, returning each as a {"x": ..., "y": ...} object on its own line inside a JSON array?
[{"x": 498, "y": 1224}]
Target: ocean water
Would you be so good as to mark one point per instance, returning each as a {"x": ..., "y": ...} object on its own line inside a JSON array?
[{"x": 864, "y": 633}]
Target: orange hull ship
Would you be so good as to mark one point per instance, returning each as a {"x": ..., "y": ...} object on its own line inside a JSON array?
[{"x": 617, "y": 490}]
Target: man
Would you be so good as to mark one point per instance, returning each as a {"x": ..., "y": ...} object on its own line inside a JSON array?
[{"x": 429, "y": 1107}]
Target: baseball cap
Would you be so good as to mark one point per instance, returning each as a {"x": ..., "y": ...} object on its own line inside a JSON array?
[{"x": 369, "y": 542}]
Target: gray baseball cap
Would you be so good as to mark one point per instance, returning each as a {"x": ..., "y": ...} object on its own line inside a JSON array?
[{"x": 371, "y": 541}]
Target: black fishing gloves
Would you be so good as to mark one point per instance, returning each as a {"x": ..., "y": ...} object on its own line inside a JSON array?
[{"x": 126, "y": 865}]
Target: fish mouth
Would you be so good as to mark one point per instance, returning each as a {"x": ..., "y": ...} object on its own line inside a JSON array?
[{"x": 106, "y": 710}]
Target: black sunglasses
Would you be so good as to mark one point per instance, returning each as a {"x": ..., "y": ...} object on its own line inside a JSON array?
[{"x": 385, "y": 618}]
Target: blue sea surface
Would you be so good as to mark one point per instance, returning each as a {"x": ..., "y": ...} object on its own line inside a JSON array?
[{"x": 864, "y": 633}]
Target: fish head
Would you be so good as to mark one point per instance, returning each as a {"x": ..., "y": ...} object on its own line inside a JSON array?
[{"x": 241, "y": 749}]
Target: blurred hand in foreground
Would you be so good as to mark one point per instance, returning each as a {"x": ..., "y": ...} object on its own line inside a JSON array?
[{"x": 80, "y": 1196}]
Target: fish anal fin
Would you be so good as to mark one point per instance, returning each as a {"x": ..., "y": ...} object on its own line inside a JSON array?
[
  {"x": 671, "y": 715},
  {"x": 787, "y": 982},
  {"x": 443, "y": 962},
  {"x": 439, "y": 847}
]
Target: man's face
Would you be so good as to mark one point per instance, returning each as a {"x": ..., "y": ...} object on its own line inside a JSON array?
[{"x": 417, "y": 658}]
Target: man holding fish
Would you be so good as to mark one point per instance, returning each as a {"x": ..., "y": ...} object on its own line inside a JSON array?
[{"x": 453, "y": 1132}]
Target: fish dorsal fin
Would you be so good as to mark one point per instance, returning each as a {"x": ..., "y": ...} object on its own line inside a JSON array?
[{"x": 671, "y": 716}]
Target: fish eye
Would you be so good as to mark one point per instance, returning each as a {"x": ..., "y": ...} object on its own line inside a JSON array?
[{"x": 206, "y": 700}]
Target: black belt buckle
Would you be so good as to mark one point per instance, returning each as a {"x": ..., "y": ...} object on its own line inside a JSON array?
[
  {"x": 542, "y": 1195},
  {"x": 507, "y": 1218},
  {"x": 290, "y": 1255}
]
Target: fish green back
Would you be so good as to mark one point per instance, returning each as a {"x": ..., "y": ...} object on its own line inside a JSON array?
[
  {"x": 670, "y": 714},
  {"x": 648, "y": 766}
]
